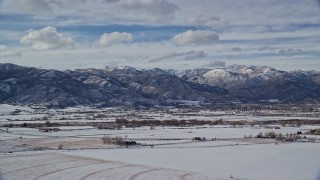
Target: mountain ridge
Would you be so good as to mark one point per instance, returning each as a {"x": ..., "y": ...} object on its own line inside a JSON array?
[{"x": 128, "y": 86}]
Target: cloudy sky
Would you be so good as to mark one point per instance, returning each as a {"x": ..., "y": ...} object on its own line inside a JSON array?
[{"x": 179, "y": 34}]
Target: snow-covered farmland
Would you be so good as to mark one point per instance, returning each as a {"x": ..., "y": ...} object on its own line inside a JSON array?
[
  {"x": 18, "y": 115},
  {"x": 209, "y": 132},
  {"x": 39, "y": 143},
  {"x": 61, "y": 166},
  {"x": 169, "y": 153},
  {"x": 293, "y": 161}
]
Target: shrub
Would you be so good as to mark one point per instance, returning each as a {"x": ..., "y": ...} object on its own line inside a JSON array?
[
  {"x": 118, "y": 140},
  {"x": 47, "y": 123},
  {"x": 260, "y": 135},
  {"x": 279, "y": 137},
  {"x": 270, "y": 134},
  {"x": 60, "y": 146},
  {"x": 106, "y": 139}
]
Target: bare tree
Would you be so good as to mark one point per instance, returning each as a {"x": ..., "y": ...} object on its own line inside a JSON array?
[
  {"x": 106, "y": 139},
  {"x": 118, "y": 140}
]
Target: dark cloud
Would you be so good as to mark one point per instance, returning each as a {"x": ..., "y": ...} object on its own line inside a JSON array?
[
  {"x": 157, "y": 10},
  {"x": 212, "y": 64},
  {"x": 111, "y": 1},
  {"x": 266, "y": 48},
  {"x": 236, "y": 49},
  {"x": 29, "y": 6},
  {"x": 213, "y": 22},
  {"x": 289, "y": 51},
  {"x": 195, "y": 55},
  {"x": 189, "y": 55}
]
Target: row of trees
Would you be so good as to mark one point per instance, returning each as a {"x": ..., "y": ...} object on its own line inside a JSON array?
[
  {"x": 118, "y": 140},
  {"x": 314, "y": 132},
  {"x": 173, "y": 122},
  {"x": 273, "y": 135},
  {"x": 279, "y": 136}
]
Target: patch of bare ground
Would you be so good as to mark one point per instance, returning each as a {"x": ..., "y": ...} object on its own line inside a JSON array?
[
  {"x": 67, "y": 143},
  {"x": 254, "y": 140}
]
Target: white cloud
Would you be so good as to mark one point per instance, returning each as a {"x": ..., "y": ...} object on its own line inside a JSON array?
[
  {"x": 189, "y": 55},
  {"x": 47, "y": 38},
  {"x": 115, "y": 38},
  {"x": 198, "y": 37},
  {"x": 213, "y": 22},
  {"x": 214, "y": 64},
  {"x": 265, "y": 29},
  {"x": 6, "y": 52}
]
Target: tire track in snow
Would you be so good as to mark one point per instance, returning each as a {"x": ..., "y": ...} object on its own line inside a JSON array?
[
  {"x": 24, "y": 155},
  {"x": 84, "y": 158},
  {"x": 193, "y": 176},
  {"x": 97, "y": 172},
  {"x": 20, "y": 162},
  {"x": 183, "y": 177},
  {"x": 59, "y": 170},
  {"x": 29, "y": 167},
  {"x": 133, "y": 177}
]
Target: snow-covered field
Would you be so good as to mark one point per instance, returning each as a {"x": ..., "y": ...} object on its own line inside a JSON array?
[
  {"x": 18, "y": 115},
  {"x": 163, "y": 152},
  {"x": 52, "y": 165},
  {"x": 89, "y": 158},
  {"x": 209, "y": 132},
  {"x": 294, "y": 161}
]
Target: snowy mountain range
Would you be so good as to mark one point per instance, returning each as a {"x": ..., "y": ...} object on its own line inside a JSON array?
[
  {"x": 259, "y": 83},
  {"x": 127, "y": 86}
]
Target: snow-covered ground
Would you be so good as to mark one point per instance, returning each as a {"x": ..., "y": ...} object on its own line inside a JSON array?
[
  {"x": 20, "y": 114},
  {"x": 165, "y": 152},
  {"x": 294, "y": 161},
  {"x": 170, "y": 151},
  {"x": 52, "y": 165},
  {"x": 7, "y": 109},
  {"x": 209, "y": 132}
]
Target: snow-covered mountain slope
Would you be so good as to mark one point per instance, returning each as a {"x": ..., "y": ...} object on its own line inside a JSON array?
[
  {"x": 232, "y": 76},
  {"x": 129, "y": 86},
  {"x": 258, "y": 82},
  {"x": 125, "y": 86}
]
